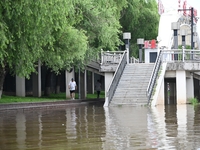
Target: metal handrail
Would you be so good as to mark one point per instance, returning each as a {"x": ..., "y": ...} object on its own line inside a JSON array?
[
  {"x": 116, "y": 77},
  {"x": 154, "y": 76}
]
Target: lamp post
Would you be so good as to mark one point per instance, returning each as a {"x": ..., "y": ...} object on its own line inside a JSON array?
[
  {"x": 192, "y": 23},
  {"x": 140, "y": 43},
  {"x": 175, "y": 26},
  {"x": 127, "y": 37}
]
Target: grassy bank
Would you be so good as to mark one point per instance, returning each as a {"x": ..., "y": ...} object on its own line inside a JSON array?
[{"x": 52, "y": 97}]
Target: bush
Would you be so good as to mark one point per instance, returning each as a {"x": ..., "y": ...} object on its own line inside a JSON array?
[{"x": 193, "y": 101}]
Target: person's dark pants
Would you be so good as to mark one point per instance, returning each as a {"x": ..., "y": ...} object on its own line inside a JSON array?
[{"x": 98, "y": 93}]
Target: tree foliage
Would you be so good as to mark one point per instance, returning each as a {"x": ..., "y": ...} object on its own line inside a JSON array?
[
  {"x": 141, "y": 19},
  {"x": 56, "y": 32},
  {"x": 66, "y": 33}
]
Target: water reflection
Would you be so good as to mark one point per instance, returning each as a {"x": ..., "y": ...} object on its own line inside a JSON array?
[
  {"x": 95, "y": 127},
  {"x": 21, "y": 133}
]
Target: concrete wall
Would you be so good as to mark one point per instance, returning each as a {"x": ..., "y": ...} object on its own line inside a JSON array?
[{"x": 188, "y": 66}]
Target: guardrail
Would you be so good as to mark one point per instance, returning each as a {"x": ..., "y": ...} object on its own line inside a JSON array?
[
  {"x": 111, "y": 57},
  {"x": 114, "y": 57},
  {"x": 116, "y": 78},
  {"x": 181, "y": 55},
  {"x": 154, "y": 75},
  {"x": 134, "y": 60}
]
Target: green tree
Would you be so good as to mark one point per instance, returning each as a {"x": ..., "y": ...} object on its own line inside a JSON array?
[
  {"x": 100, "y": 20},
  {"x": 59, "y": 33},
  {"x": 141, "y": 19},
  {"x": 37, "y": 30}
]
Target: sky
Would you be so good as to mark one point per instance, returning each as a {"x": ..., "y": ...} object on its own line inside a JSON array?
[{"x": 173, "y": 4}]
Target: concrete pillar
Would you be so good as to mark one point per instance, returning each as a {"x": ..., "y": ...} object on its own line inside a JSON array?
[
  {"x": 161, "y": 95},
  {"x": 20, "y": 86},
  {"x": 93, "y": 83},
  {"x": 89, "y": 82},
  {"x": 37, "y": 82},
  {"x": 190, "y": 87},
  {"x": 82, "y": 86},
  {"x": 68, "y": 77},
  {"x": 85, "y": 83},
  {"x": 181, "y": 87},
  {"x": 108, "y": 79}
]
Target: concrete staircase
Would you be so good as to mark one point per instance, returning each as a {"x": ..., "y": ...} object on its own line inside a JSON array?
[{"x": 132, "y": 86}]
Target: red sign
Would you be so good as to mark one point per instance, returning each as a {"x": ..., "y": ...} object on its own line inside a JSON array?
[
  {"x": 194, "y": 14},
  {"x": 184, "y": 8},
  {"x": 146, "y": 44},
  {"x": 150, "y": 44},
  {"x": 153, "y": 44}
]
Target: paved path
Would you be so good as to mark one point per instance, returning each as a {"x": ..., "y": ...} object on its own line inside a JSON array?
[{"x": 57, "y": 104}]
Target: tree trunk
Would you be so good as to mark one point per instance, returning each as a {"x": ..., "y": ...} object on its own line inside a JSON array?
[
  {"x": 2, "y": 77},
  {"x": 47, "y": 91}
]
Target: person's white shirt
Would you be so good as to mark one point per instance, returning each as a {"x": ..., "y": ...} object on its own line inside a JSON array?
[{"x": 72, "y": 85}]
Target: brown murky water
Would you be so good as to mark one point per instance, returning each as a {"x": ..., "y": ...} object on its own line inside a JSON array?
[{"x": 91, "y": 127}]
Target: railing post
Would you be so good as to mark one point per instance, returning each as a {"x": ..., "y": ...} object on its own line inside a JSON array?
[
  {"x": 101, "y": 56},
  {"x": 127, "y": 55},
  {"x": 183, "y": 51}
]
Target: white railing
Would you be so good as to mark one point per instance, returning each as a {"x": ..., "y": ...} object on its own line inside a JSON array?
[
  {"x": 111, "y": 57},
  {"x": 181, "y": 55},
  {"x": 114, "y": 57},
  {"x": 134, "y": 60}
]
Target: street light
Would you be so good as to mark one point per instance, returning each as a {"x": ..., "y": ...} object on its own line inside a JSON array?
[{"x": 127, "y": 37}]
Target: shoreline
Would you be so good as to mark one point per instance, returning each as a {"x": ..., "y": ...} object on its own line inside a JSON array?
[{"x": 52, "y": 104}]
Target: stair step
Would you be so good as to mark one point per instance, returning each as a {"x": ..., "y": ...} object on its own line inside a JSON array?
[{"x": 131, "y": 89}]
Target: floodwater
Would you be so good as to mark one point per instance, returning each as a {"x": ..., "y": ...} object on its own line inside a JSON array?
[{"x": 93, "y": 127}]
